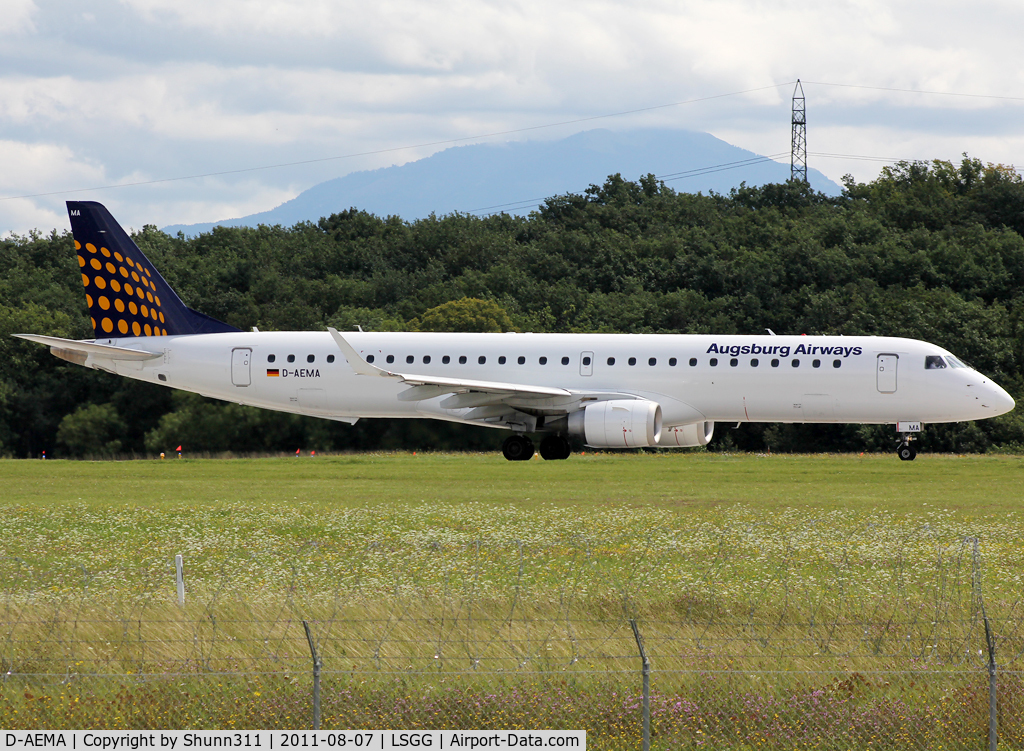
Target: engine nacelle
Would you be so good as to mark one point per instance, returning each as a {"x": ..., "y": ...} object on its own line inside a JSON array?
[
  {"x": 694, "y": 434},
  {"x": 618, "y": 423}
]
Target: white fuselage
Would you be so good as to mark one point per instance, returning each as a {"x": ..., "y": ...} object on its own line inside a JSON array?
[{"x": 814, "y": 379}]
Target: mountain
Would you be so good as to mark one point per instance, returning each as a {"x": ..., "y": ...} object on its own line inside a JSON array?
[{"x": 517, "y": 176}]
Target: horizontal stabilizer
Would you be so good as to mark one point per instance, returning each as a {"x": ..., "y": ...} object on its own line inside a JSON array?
[{"x": 91, "y": 348}]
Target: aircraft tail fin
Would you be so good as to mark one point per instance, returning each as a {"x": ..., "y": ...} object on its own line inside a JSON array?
[{"x": 126, "y": 294}]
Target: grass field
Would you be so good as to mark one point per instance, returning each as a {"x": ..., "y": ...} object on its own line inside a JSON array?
[
  {"x": 680, "y": 482},
  {"x": 436, "y": 564}
]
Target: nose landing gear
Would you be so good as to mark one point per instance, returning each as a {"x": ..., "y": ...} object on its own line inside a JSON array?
[{"x": 906, "y": 450}]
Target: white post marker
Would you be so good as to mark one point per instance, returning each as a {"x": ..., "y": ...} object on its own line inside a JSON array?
[{"x": 179, "y": 577}]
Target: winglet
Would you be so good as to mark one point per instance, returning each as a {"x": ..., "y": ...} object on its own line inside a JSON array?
[{"x": 355, "y": 360}]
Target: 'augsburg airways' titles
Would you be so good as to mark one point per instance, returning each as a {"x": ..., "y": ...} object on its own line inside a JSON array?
[{"x": 782, "y": 350}]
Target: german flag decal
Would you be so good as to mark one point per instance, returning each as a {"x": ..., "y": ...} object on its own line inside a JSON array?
[{"x": 273, "y": 372}]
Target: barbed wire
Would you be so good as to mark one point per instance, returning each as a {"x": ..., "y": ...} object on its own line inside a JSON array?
[{"x": 745, "y": 623}]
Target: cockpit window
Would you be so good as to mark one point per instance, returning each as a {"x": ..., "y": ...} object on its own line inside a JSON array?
[
  {"x": 954, "y": 362},
  {"x": 934, "y": 362}
]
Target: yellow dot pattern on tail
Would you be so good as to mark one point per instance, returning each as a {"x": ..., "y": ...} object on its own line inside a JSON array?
[
  {"x": 119, "y": 293},
  {"x": 127, "y": 296}
]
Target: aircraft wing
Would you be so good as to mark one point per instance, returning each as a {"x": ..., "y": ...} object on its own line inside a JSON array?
[
  {"x": 107, "y": 351},
  {"x": 469, "y": 393}
]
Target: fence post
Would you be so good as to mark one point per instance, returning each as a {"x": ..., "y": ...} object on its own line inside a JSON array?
[
  {"x": 316, "y": 677},
  {"x": 646, "y": 672},
  {"x": 179, "y": 578},
  {"x": 993, "y": 732},
  {"x": 990, "y": 644}
]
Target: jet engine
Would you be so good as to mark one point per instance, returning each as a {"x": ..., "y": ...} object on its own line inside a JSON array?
[
  {"x": 618, "y": 423},
  {"x": 694, "y": 434}
]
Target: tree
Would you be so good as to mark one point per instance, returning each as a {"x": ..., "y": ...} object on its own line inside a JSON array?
[
  {"x": 92, "y": 429},
  {"x": 467, "y": 314}
]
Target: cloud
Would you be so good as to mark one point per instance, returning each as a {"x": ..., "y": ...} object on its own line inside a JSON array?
[
  {"x": 17, "y": 17},
  {"x": 35, "y": 168},
  {"x": 136, "y": 90}
]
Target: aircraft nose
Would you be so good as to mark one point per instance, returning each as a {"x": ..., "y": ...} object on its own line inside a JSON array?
[{"x": 998, "y": 400}]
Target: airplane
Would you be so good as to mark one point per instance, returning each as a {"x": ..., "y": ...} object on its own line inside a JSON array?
[{"x": 611, "y": 390}]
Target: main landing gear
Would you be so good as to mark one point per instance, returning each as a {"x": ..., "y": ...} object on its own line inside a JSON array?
[
  {"x": 555, "y": 447},
  {"x": 519, "y": 448},
  {"x": 906, "y": 450}
]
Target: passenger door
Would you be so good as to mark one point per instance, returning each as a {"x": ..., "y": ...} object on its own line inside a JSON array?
[
  {"x": 240, "y": 366},
  {"x": 886, "y": 373}
]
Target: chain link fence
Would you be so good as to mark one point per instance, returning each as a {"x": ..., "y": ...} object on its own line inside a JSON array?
[{"x": 905, "y": 650}]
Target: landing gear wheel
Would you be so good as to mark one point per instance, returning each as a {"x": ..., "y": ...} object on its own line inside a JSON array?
[
  {"x": 517, "y": 448},
  {"x": 906, "y": 452},
  {"x": 555, "y": 447}
]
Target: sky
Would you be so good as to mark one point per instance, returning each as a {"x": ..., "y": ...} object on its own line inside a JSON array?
[{"x": 142, "y": 93}]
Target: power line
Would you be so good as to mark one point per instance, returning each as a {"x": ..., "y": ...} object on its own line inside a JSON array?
[
  {"x": 916, "y": 91},
  {"x": 669, "y": 177},
  {"x": 859, "y": 157},
  {"x": 398, "y": 148},
  {"x": 882, "y": 159},
  {"x": 720, "y": 167}
]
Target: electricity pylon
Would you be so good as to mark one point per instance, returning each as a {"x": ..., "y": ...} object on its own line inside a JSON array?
[{"x": 798, "y": 154}]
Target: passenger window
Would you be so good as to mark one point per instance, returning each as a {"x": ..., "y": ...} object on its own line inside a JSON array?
[
  {"x": 390, "y": 358},
  {"x": 369, "y": 358},
  {"x": 611, "y": 360},
  {"x": 775, "y": 363},
  {"x": 653, "y": 361},
  {"x": 310, "y": 358},
  {"x": 753, "y": 363},
  {"x": 410, "y": 359},
  {"x": 271, "y": 358},
  {"x": 586, "y": 361},
  {"x": 837, "y": 363},
  {"x": 426, "y": 359},
  {"x": 446, "y": 359},
  {"x": 816, "y": 364},
  {"x": 934, "y": 362},
  {"x": 632, "y": 361},
  {"x": 713, "y": 362},
  {"x": 543, "y": 361},
  {"x": 693, "y": 362},
  {"x": 795, "y": 363},
  {"x": 481, "y": 360},
  {"x": 291, "y": 358},
  {"x": 521, "y": 360},
  {"x": 462, "y": 359},
  {"x": 501, "y": 360},
  {"x": 330, "y": 358},
  {"x": 671, "y": 362},
  {"x": 733, "y": 362},
  {"x": 565, "y": 361}
]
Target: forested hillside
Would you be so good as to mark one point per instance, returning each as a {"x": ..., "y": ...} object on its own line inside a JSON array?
[{"x": 930, "y": 251}]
